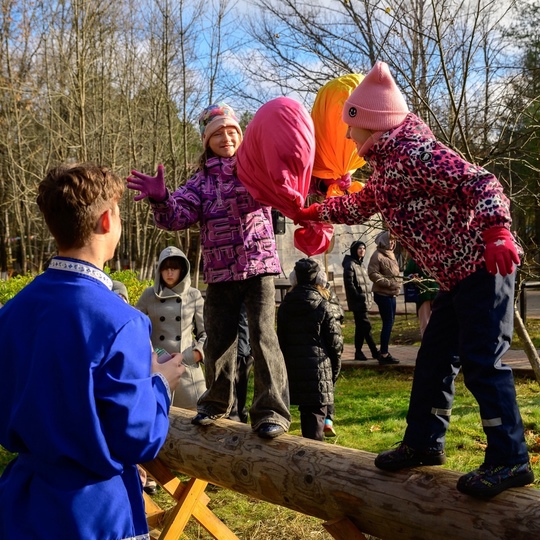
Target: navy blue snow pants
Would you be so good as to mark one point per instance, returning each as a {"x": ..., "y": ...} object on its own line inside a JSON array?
[{"x": 470, "y": 328}]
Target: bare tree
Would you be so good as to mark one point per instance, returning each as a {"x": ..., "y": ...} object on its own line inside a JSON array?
[
  {"x": 19, "y": 141},
  {"x": 123, "y": 83}
]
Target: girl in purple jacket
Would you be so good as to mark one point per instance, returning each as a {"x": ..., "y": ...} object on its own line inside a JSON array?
[
  {"x": 239, "y": 262},
  {"x": 454, "y": 219}
]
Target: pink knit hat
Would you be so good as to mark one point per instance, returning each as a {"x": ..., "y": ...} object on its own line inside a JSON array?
[
  {"x": 376, "y": 103},
  {"x": 215, "y": 117}
]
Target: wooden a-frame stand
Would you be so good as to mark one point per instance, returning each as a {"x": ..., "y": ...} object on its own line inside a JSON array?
[{"x": 191, "y": 501}]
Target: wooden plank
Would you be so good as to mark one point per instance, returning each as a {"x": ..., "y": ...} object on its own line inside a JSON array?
[
  {"x": 170, "y": 483},
  {"x": 153, "y": 510},
  {"x": 168, "y": 480},
  {"x": 213, "y": 524},
  {"x": 178, "y": 517}
]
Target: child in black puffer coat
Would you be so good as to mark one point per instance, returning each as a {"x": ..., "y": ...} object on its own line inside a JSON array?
[{"x": 311, "y": 341}]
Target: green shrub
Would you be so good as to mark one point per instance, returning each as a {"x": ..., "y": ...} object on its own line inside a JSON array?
[
  {"x": 134, "y": 285},
  {"x": 10, "y": 287}
]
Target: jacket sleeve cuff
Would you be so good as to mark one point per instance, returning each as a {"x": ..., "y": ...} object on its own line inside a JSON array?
[{"x": 165, "y": 382}]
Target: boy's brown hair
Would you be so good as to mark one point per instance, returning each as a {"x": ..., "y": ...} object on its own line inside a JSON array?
[{"x": 72, "y": 198}]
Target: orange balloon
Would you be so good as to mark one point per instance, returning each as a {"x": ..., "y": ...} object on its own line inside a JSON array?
[{"x": 335, "y": 155}]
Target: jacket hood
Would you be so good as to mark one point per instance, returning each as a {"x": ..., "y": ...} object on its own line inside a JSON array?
[
  {"x": 160, "y": 289},
  {"x": 382, "y": 240},
  {"x": 307, "y": 272},
  {"x": 353, "y": 251},
  {"x": 120, "y": 289}
]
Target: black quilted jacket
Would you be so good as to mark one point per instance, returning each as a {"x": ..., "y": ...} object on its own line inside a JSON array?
[{"x": 312, "y": 343}]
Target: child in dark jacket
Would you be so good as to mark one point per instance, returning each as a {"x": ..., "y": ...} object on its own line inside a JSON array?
[
  {"x": 454, "y": 219},
  {"x": 359, "y": 298},
  {"x": 311, "y": 340}
]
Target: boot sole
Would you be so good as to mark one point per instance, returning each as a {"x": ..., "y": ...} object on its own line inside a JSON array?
[
  {"x": 204, "y": 422},
  {"x": 420, "y": 461}
]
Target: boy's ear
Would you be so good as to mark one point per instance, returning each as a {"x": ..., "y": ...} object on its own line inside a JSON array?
[{"x": 104, "y": 222}]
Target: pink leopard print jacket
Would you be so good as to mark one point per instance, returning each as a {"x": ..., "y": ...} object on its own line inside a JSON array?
[{"x": 436, "y": 203}]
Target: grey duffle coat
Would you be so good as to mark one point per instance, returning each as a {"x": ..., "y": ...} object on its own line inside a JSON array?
[{"x": 178, "y": 326}]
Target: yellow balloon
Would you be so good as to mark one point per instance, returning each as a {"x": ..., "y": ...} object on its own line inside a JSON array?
[{"x": 335, "y": 155}]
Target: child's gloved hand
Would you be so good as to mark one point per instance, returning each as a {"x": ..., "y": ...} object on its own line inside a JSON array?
[
  {"x": 149, "y": 186},
  {"x": 501, "y": 252},
  {"x": 311, "y": 213}
]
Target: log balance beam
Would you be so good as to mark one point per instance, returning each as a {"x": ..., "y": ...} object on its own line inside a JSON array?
[{"x": 332, "y": 482}]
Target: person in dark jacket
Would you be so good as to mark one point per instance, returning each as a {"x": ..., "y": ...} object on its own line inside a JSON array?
[
  {"x": 312, "y": 343},
  {"x": 359, "y": 298},
  {"x": 339, "y": 314}
]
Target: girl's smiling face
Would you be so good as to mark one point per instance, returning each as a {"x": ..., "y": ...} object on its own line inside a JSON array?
[{"x": 224, "y": 142}]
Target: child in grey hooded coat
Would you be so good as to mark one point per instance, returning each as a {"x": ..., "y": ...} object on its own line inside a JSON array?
[{"x": 176, "y": 312}]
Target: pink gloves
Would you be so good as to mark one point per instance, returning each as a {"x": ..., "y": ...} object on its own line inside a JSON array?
[
  {"x": 149, "y": 186},
  {"x": 501, "y": 251},
  {"x": 311, "y": 213}
]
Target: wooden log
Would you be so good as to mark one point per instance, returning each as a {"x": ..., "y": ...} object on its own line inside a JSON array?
[{"x": 331, "y": 482}]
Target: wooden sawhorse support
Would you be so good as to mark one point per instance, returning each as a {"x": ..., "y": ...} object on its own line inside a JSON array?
[{"x": 192, "y": 501}]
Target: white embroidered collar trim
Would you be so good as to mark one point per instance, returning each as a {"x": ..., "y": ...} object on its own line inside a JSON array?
[{"x": 80, "y": 267}]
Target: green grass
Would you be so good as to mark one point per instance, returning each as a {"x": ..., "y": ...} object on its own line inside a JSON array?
[{"x": 371, "y": 406}]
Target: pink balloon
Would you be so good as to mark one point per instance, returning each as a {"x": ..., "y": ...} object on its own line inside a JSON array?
[
  {"x": 275, "y": 162},
  {"x": 313, "y": 237}
]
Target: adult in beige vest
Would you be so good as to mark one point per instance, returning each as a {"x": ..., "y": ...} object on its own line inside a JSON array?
[{"x": 176, "y": 311}]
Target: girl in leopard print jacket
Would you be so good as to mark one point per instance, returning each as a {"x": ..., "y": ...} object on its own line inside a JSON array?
[{"x": 454, "y": 219}]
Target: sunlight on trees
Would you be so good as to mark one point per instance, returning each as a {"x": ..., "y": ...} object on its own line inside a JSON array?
[{"x": 122, "y": 84}]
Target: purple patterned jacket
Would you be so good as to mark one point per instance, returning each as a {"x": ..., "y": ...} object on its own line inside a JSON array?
[
  {"x": 237, "y": 236},
  {"x": 436, "y": 203}
]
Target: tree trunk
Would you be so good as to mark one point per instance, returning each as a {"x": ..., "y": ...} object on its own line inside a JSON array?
[{"x": 528, "y": 345}]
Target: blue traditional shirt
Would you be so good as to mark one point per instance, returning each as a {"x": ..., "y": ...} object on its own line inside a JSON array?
[{"x": 79, "y": 407}]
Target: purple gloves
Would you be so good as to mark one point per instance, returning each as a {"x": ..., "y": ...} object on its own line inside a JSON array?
[
  {"x": 501, "y": 251},
  {"x": 152, "y": 187}
]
